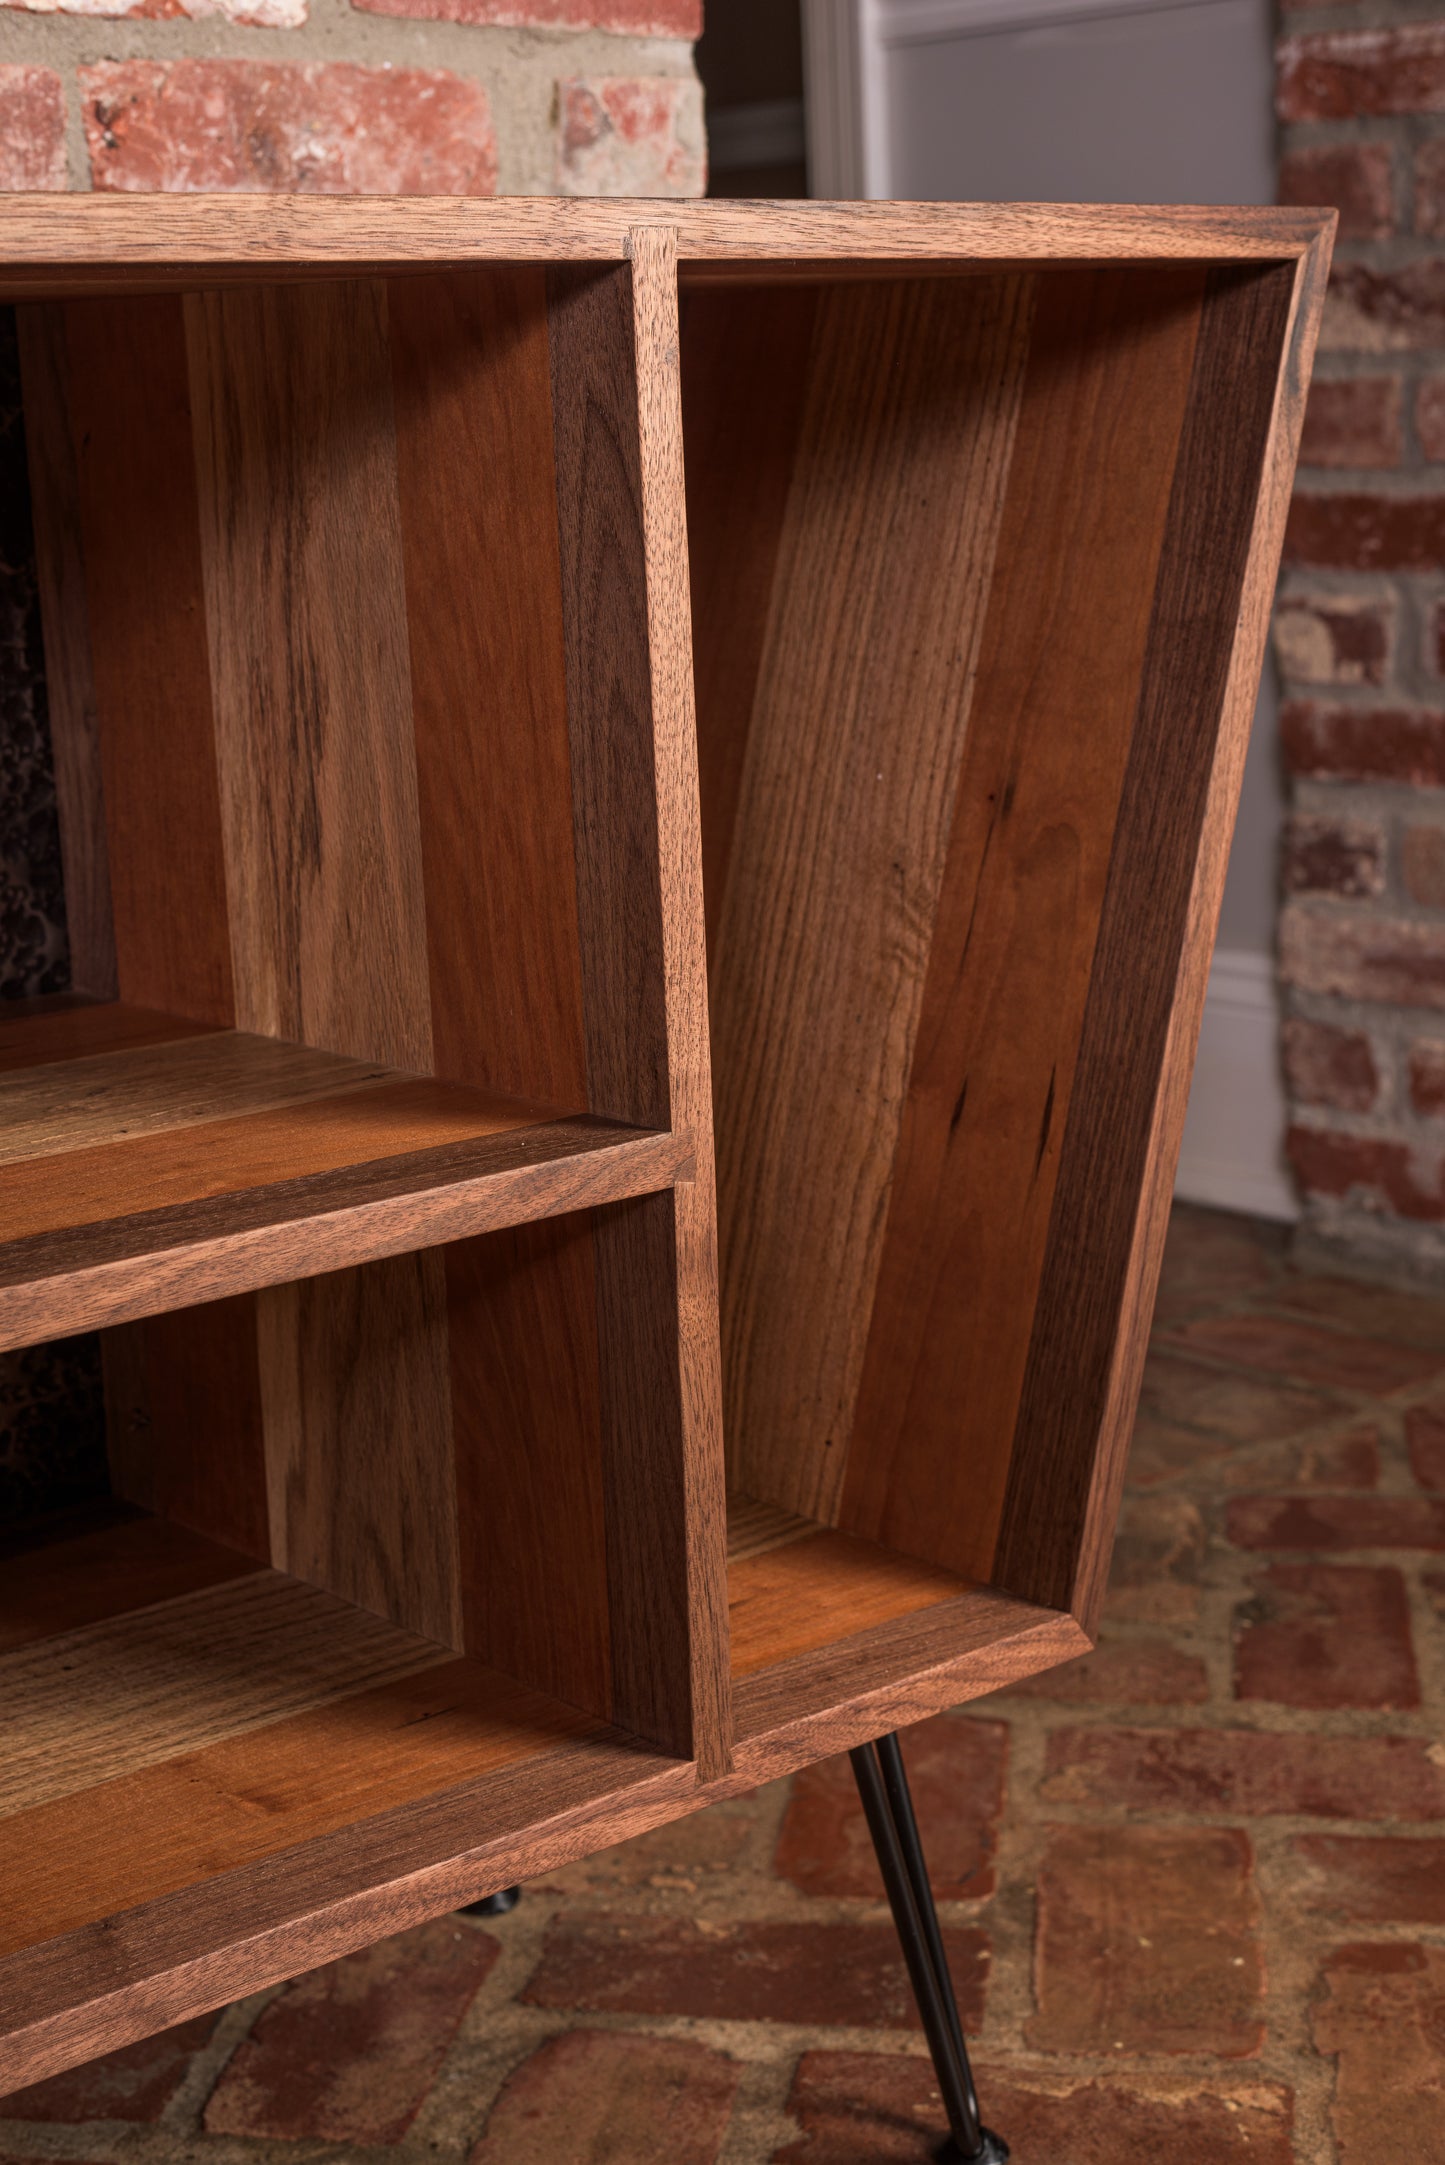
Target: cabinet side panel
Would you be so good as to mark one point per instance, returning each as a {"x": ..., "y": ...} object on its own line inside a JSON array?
[
  {"x": 1008, "y": 974},
  {"x": 132, "y": 431},
  {"x": 1182, "y": 728},
  {"x": 478, "y": 500},
  {"x": 69, "y": 673},
  {"x": 303, "y": 595},
  {"x": 522, "y": 1308},
  {"x": 744, "y": 376},
  {"x": 842, "y": 822},
  {"x": 357, "y": 1414}
]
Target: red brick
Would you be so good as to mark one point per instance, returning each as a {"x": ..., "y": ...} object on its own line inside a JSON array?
[
  {"x": 1384, "y": 2020},
  {"x": 1425, "y": 1440},
  {"x": 1361, "y": 531},
  {"x": 1245, "y": 1773},
  {"x": 849, "y": 1975},
  {"x": 1379, "y": 1175},
  {"x": 32, "y": 128},
  {"x": 853, "y": 2106},
  {"x": 1330, "y": 856},
  {"x": 135, "y": 2084},
  {"x": 1336, "y": 639},
  {"x": 348, "y": 2053},
  {"x": 1380, "y": 1311},
  {"x": 1422, "y": 865},
  {"x": 685, "y": 1854},
  {"x": 1147, "y": 1942},
  {"x": 1327, "y": 1635},
  {"x": 1157, "y": 1560},
  {"x": 1336, "y": 1522},
  {"x": 1326, "y": 1066},
  {"x": 1363, "y": 744},
  {"x": 1384, "y": 311},
  {"x": 602, "y": 2094},
  {"x": 1354, "y": 422},
  {"x": 626, "y": 18},
  {"x": 1427, "y": 1078},
  {"x": 1210, "y": 1254},
  {"x": 1362, "y": 957},
  {"x": 1430, "y": 188},
  {"x": 630, "y": 135},
  {"x": 1243, "y": 1409},
  {"x": 1123, "y": 1672},
  {"x": 957, "y": 1771},
  {"x": 1375, "y": 1878},
  {"x": 258, "y": 14},
  {"x": 1163, "y": 1454},
  {"x": 1339, "y": 74},
  {"x": 1355, "y": 177},
  {"x": 1430, "y": 416},
  {"x": 1335, "y": 1360},
  {"x": 253, "y": 125}
]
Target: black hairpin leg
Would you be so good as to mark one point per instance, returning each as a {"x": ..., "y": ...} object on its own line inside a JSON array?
[
  {"x": 888, "y": 1807},
  {"x": 493, "y": 1905}
]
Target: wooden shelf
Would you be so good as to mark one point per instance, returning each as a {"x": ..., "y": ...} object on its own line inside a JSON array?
[
  {"x": 533, "y": 684},
  {"x": 146, "y": 1160}
]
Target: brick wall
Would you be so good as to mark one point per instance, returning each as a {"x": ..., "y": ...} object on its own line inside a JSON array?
[
  {"x": 463, "y": 97},
  {"x": 1360, "y": 638}
]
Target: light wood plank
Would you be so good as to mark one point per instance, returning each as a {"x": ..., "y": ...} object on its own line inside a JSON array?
[
  {"x": 842, "y": 824},
  {"x": 792, "y": 1599},
  {"x": 96, "y": 1704},
  {"x": 356, "y": 1410},
  {"x": 303, "y": 598}
]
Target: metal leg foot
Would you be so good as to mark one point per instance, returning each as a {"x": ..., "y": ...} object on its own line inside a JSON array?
[
  {"x": 493, "y": 1905},
  {"x": 888, "y": 1807}
]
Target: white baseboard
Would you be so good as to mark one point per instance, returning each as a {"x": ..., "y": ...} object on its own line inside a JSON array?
[{"x": 1233, "y": 1154}]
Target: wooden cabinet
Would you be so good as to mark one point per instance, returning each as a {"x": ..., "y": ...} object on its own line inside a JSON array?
[{"x": 424, "y": 933}]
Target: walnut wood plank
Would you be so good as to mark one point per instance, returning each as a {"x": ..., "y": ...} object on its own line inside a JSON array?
[
  {"x": 103, "y": 1701},
  {"x": 526, "y": 1413},
  {"x": 807, "y": 1593},
  {"x": 33, "y": 1033},
  {"x": 304, "y": 601},
  {"x": 744, "y": 378},
  {"x": 115, "y": 1270},
  {"x": 183, "y": 1419},
  {"x": 69, "y": 669},
  {"x": 755, "y": 1527},
  {"x": 841, "y": 829},
  {"x": 51, "y": 244},
  {"x": 478, "y": 504},
  {"x": 62, "y": 1585},
  {"x": 146, "y": 1089},
  {"x": 1008, "y": 974},
  {"x": 139, "y": 520},
  {"x": 356, "y": 1409},
  {"x": 1182, "y": 712}
]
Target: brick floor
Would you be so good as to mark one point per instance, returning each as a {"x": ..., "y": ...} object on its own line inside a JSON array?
[{"x": 1195, "y": 1882}]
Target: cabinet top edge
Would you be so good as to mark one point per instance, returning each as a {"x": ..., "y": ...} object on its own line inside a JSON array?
[{"x": 118, "y": 233}]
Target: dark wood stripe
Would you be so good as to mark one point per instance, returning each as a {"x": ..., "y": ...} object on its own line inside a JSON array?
[
  {"x": 131, "y": 414},
  {"x": 1078, "y": 1320},
  {"x": 1008, "y": 971}
]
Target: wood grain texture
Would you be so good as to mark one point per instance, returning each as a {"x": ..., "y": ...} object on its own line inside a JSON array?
[
  {"x": 33, "y": 1033},
  {"x": 744, "y": 378},
  {"x": 808, "y": 1593},
  {"x": 95, "y": 1704},
  {"x": 148, "y": 1089},
  {"x": 842, "y": 824},
  {"x": 356, "y": 1412},
  {"x": 1012, "y": 949},
  {"x": 69, "y": 669},
  {"x": 60, "y": 1586},
  {"x": 183, "y": 1418},
  {"x": 116, "y": 1270},
  {"x": 57, "y": 243},
  {"x": 1196, "y": 611},
  {"x": 132, "y": 426},
  {"x": 478, "y": 503},
  {"x": 526, "y": 1418},
  {"x": 304, "y": 602},
  {"x": 694, "y": 1295}
]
